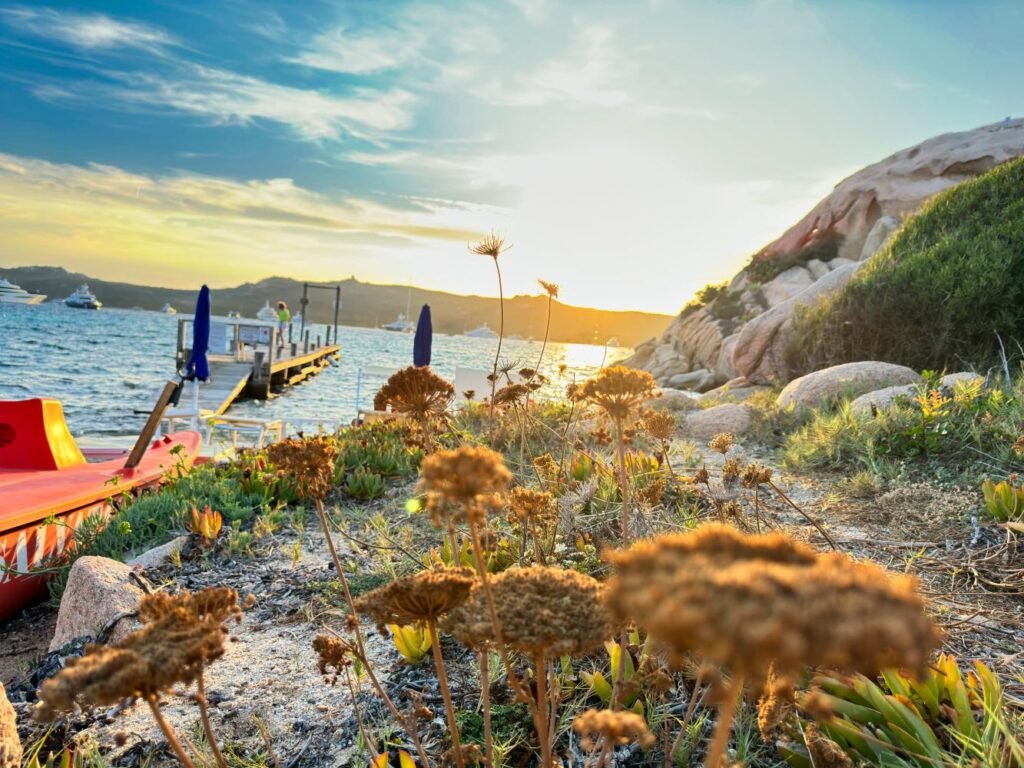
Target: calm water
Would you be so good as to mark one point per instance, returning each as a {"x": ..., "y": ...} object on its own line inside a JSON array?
[{"x": 104, "y": 364}]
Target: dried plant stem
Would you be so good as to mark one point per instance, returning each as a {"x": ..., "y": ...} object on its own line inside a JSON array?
[
  {"x": 446, "y": 694},
  {"x": 359, "y": 717},
  {"x": 726, "y": 714},
  {"x": 485, "y": 693},
  {"x": 806, "y": 517},
  {"x": 670, "y": 755},
  {"x": 501, "y": 335},
  {"x": 543, "y": 709},
  {"x": 547, "y": 329},
  {"x": 168, "y": 731},
  {"x": 618, "y": 700},
  {"x": 538, "y": 553},
  {"x": 204, "y": 715},
  {"x": 410, "y": 724}
]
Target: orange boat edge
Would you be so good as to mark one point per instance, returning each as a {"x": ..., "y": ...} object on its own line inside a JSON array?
[{"x": 46, "y": 477}]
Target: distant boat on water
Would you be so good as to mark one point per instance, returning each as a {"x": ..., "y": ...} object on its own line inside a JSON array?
[
  {"x": 169, "y": 310},
  {"x": 83, "y": 298},
  {"x": 483, "y": 332},
  {"x": 401, "y": 325},
  {"x": 267, "y": 313},
  {"x": 15, "y": 294}
]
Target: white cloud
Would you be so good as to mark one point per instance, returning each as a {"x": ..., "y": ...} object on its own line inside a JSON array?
[
  {"x": 588, "y": 75},
  {"x": 533, "y": 10},
  {"x": 229, "y": 98},
  {"x": 363, "y": 53},
  {"x": 86, "y": 31}
]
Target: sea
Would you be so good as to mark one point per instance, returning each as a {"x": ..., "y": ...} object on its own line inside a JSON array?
[{"x": 106, "y": 366}]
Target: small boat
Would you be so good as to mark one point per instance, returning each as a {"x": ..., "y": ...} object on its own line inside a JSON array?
[
  {"x": 15, "y": 294},
  {"x": 83, "y": 298},
  {"x": 169, "y": 310},
  {"x": 483, "y": 332},
  {"x": 401, "y": 325},
  {"x": 613, "y": 342},
  {"x": 49, "y": 486}
]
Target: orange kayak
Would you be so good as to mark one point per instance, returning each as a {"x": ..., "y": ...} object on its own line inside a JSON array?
[{"x": 48, "y": 486}]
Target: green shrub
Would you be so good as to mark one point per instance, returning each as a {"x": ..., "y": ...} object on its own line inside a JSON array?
[
  {"x": 941, "y": 294},
  {"x": 763, "y": 269},
  {"x": 364, "y": 484},
  {"x": 703, "y": 297}
]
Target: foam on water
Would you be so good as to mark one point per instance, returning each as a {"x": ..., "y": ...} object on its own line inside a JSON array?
[{"x": 103, "y": 365}]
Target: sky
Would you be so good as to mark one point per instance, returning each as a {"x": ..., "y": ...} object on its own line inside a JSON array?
[{"x": 630, "y": 151}]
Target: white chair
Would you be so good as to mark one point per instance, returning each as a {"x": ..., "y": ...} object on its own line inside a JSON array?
[
  {"x": 255, "y": 429},
  {"x": 368, "y": 381},
  {"x": 471, "y": 380}
]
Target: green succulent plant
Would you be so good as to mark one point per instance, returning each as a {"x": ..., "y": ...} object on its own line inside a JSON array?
[{"x": 1004, "y": 501}]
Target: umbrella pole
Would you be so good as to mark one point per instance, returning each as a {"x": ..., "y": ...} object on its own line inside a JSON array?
[{"x": 152, "y": 423}]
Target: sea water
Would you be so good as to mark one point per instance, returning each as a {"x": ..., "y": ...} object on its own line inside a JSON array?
[{"x": 107, "y": 365}]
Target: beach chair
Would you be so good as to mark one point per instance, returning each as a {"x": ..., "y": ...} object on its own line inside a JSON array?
[
  {"x": 368, "y": 381},
  {"x": 471, "y": 380},
  {"x": 257, "y": 430}
]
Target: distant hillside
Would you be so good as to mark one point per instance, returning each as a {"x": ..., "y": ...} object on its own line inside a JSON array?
[{"x": 365, "y": 304}]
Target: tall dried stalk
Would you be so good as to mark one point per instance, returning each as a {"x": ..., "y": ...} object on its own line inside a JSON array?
[{"x": 493, "y": 246}]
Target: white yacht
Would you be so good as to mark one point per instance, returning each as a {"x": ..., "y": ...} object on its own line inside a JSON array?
[
  {"x": 83, "y": 298},
  {"x": 15, "y": 294},
  {"x": 267, "y": 314},
  {"x": 400, "y": 325},
  {"x": 483, "y": 332},
  {"x": 169, "y": 310}
]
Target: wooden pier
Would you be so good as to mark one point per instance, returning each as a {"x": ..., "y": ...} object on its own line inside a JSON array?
[{"x": 245, "y": 361}]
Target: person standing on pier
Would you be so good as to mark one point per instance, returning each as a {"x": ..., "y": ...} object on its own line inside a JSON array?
[{"x": 284, "y": 318}]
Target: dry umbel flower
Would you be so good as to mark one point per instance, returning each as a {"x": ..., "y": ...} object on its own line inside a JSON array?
[
  {"x": 463, "y": 484},
  {"x": 610, "y": 728},
  {"x": 529, "y": 507},
  {"x": 825, "y": 752},
  {"x": 219, "y": 604},
  {"x": 755, "y": 475},
  {"x": 333, "y": 653},
  {"x": 749, "y": 602},
  {"x": 309, "y": 461},
  {"x": 551, "y": 289},
  {"x": 546, "y": 611},
  {"x": 731, "y": 470},
  {"x": 416, "y": 392},
  {"x": 661, "y": 425},
  {"x": 427, "y": 596},
  {"x": 722, "y": 442},
  {"x": 620, "y": 391}
]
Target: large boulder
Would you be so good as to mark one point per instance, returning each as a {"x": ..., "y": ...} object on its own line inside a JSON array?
[
  {"x": 10, "y": 744},
  {"x": 842, "y": 381},
  {"x": 101, "y": 596},
  {"x": 760, "y": 349},
  {"x": 880, "y": 398},
  {"x": 697, "y": 381},
  {"x": 674, "y": 400},
  {"x": 731, "y": 417},
  {"x": 786, "y": 285},
  {"x": 899, "y": 184},
  {"x": 879, "y": 235}
]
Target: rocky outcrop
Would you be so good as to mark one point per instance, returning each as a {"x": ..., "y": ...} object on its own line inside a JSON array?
[
  {"x": 760, "y": 350},
  {"x": 862, "y": 213},
  {"x": 880, "y": 398},
  {"x": 100, "y": 597},
  {"x": 848, "y": 380},
  {"x": 10, "y": 744},
  {"x": 731, "y": 417}
]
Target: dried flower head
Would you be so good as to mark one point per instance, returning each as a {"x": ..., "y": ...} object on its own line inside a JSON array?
[
  {"x": 775, "y": 704},
  {"x": 750, "y": 602},
  {"x": 309, "y": 461},
  {"x": 424, "y": 597},
  {"x": 219, "y": 604},
  {"x": 547, "y": 468},
  {"x": 469, "y": 394},
  {"x": 722, "y": 442},
  {"x": 492, "y": 245},
  {"x": 511, "y": 394},
  {"x": 463, "y": 484},
  {"x": 551, "y": 289},
  {"x": 731, "y": 470},
  {"x": 416, "y": 392},
  {"x": 604, "y": 726},
  {"x": 620, "y": 391},
  {"x": 823, "y": 750},
  {"x": 171, "y": 648},
  {"x": 661, "y": 425},
  {"x": 332, "y": 653},
  {"x": 530, "y": 507},
  {"x": 755, "y": 475},
  {"x": 542, "y": 610}
]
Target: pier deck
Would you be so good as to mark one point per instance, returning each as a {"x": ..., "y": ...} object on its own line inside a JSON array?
[{"x": 244, "y": 365}]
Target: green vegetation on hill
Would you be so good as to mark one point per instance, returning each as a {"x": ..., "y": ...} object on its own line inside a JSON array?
[{"x": 942, "y": 294}]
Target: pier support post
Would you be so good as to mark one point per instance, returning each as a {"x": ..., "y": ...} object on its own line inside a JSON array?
[{"x": 305, "y": 343}]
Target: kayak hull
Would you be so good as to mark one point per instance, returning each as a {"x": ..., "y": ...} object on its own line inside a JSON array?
[{"x": 42, "y": 509}]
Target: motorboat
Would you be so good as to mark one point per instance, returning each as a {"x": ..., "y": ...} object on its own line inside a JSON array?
[
  {"x": 401, "y": 325},
  {"x": 483, "y": 332},
  {"x": 50, "y": 486},
  {"x": 15, "y": 294},
  {"x": 83, "y": 298},
  {"x": 169, "y": 310}
]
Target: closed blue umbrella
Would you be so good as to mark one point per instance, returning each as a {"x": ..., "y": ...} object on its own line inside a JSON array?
[
  {"x": 197, "y": 366},
  {"x": 424, "y": 338}
]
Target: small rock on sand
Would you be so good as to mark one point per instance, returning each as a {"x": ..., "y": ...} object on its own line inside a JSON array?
[{"x": 98, "y": 591}]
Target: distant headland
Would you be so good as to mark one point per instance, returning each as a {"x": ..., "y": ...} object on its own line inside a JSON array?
[{"x": 366, "y": 305}]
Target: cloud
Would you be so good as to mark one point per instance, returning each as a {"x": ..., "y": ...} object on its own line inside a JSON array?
[
  {"x": 88, "y": 32},
  {"x": 362, "y": 53},
  {"x": 228, "y": 98},
  {"x": 587, "y": 75}
]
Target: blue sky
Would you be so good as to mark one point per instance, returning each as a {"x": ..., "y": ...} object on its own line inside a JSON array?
[{"x": 632, "y": 151}]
